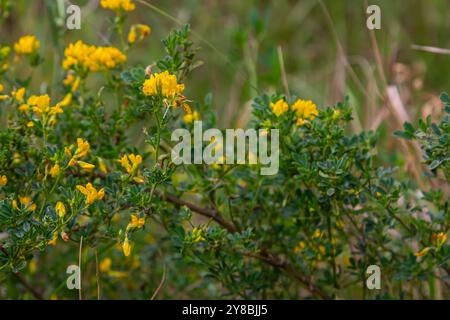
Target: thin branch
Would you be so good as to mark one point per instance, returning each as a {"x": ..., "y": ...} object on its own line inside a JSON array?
[
  {"x": 22, "y": 280},
  {"x": 161, "y": 283},
  {"x": 264, "y": 254},
  {"x": 97, "y": 274},
  {"x": 80, "y": 297},
  {"x": 210, "y": 213}
]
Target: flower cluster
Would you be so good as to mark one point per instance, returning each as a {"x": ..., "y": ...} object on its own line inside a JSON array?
[
  {"x": 164, "y": 84},
  {"x": 91, "y": 194},
  {"x": 91, "y": 58},
  {"x": 305, "y": 110},
  {"x": 25, "y": 202},
  {"x": 131, "y": 164},
  {"x": 117, "y": 5}
]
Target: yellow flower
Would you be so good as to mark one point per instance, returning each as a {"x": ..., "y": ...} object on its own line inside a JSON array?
[
  {"x": 423, "y": 252},
  {"x": 136, "y": 222},
  {"x": 132, "y": 35},
  {"x": 72, "y": 162},
  {"x": 26, "y": 45},
  {"x": 3, "y": 180},
  {"x": 279, "y": 107},
  {"x": 82, "y": 148},
  {"x": 76, "y": 84},
  {"x": 318, "y": 234},
  {"x": 191, "y": 117},
  {"x": 135, "y": 160},
  {"x": 102, "y": 165},
  {"x": 117, "y": 5},
  {"x": 299, "y": 247},
  {"x": 138, "y": 180},
  {"x": 105, "y": 265},
  {"x": 162, "y": 83},
  {"x": 91, "y": 193},
  {"x": 18, "y": 95},
  {"x": 54, "y": 239},
  {"x": 25, "y": 202},
  {"x": 70, "y": 78},
  {"x": 306, "y": 110},
  {"x": 24, "y": 108},
  {"x": 2, "y": 96},
  {"x": 56, "y": 109},
  {"x": 86, "y": 166},
  {"x": 40, "y": 104},
  {"x": 92, "y": 58},
  {"x": 142, "y": 29},
  {"x": 66, "y": 101},
  {"x": 60, "y": 209},
  {"x": 54, "y": 171},
  {"x": 197, "y": 235},
  {"x": 439, "y": 239},
  {"x": 126, "y": 247}
]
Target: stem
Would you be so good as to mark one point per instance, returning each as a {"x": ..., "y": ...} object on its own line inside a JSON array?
[
  {"x": 158, "y": 136},
  {"x": 330, "y": 239}
]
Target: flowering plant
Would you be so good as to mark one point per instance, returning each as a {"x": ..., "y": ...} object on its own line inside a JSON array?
[{"x": 76, "y": 188}]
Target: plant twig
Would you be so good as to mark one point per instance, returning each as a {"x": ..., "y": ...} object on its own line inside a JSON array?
[
  {"x": 161, "y": 283},
  {"x": 23, "y": 281},
  {"x": 264, "y": 254}
]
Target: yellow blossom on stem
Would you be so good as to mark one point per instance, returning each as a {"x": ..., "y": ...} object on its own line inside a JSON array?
[
  {"x": 60, "y": 209},
  {"x": 126, "y": 247},
  {"x": 105, "y": 265},
  {"x": 279, "y": 107},
  {"x": 70, "y": 78},
  {"x": 162, "y": 83},
  {"x": 86, "y": 166},
  {"x": 306, "y": 110},
  {"x": 2, "y": 96},
  {"x": 299, "y": 247},
  {"x": 92, "y": 58},
  {"x": 130, "y": 162},
  {"x": 422, "y": 252},
  {"x": 82, "y": 148},
  {"x": 25, "y": 202},
  {"x": 191, "y": 117},
  {"x": 138, "y": 180},
  {"x": 91, "y": 194},
  {"x": 54, "y": 171},
  {"x": 117, "y": 5},
  {"x": 54, "y": 239},
  {"x": 3, "y": 180},
  {"x": 26, "y": 45},
  {"x": 18, "y": 95},
  {"x": 40, "y": 104},
  {"x": 66, "y": 101},
  {"x": 197, "y": 235},
  {"x": 439, "y": 239},
  {"x": 24, "y": 108},
  {"x": 136, "y": 30},
  {"x": 102, "y": 165},
  {"x": 136, "y": 222}
]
